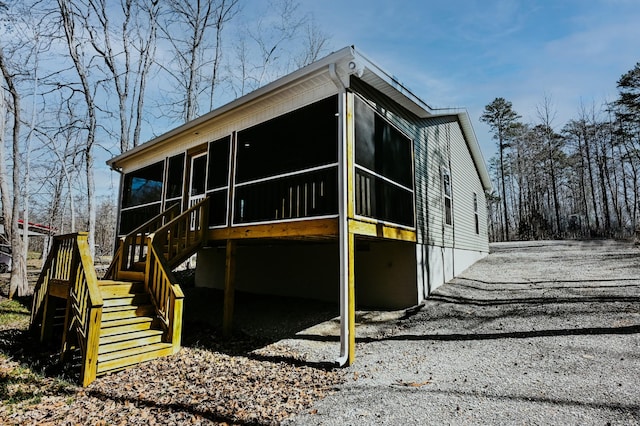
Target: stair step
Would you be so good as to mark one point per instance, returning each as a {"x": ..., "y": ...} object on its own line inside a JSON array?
[
  {"x": 124, "y": 325},
  {"x": 110, "y": 289},
  {"x": 126, "y": 335},
  {"x": 128, "y": 300},
  {"x": 131, "y": 275},
  {"x": 127, "y": 325},
  {"x": 121, "y": 359},
  {"x": 136, "y": 340},
  {"x": 123, "y": 312}
]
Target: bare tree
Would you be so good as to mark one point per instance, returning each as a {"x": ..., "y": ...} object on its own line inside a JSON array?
[
  {"x": 552, "y": 142},
  {"x": 18, "y": 285},
  {"x": 120, "y": 51},
  {"x": 315, "y": 44},
  {"x": 186, "y": 27},
  {"x": 281, "y": 38},
  {"x": 68, "y": 13}
]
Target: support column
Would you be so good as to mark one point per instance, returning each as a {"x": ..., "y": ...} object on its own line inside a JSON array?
[
  {"x": 229, "y": 288},
  {"x": 345, "y": 210}
]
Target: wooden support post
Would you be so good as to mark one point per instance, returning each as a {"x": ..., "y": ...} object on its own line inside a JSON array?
[
  {"x": 229, "y": 288},
  {"x": 90, "y": 358},
  {"x": 47, "y": 318}
]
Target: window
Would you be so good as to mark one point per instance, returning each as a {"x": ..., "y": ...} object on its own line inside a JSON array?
[
  {"x": 475, "y": 212},
  {"x": 384, "y": 169},
  {"x": 143, "y": 186},
  {"x": 446, "y": 188},
  {"x": 141, "y": 196}
]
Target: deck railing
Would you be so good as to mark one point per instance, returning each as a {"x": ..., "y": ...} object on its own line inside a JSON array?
[
  {"x": 56, "y": 271},
  {"x": 167, "y": 247},
  {"x": 133, "y": 247},
  {"x": 70, "y": 267}
]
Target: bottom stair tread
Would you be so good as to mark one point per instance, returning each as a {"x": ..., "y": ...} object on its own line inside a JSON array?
[{"x": 121, "y": 359}]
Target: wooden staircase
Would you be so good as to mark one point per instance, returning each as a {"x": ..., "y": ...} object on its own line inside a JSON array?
[
  {"x": 129, "y": 331},
  {"x": 134, "y": 314}
]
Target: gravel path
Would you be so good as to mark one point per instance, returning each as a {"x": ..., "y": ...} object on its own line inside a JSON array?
[{"x": 537, "y": 333}]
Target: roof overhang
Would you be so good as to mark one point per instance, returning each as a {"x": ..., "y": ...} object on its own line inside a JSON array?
[{"x": 342, "y": 64}]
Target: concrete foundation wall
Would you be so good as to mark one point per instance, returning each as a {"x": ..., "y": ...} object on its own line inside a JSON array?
[{"x": 385, "y": 272}]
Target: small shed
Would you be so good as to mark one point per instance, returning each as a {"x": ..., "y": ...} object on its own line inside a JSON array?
[{"x": 334, "y": 182}]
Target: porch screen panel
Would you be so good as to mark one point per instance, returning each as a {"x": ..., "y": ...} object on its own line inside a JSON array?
[
  {"x": 302, "y": 139},
  {"x": 218, "y": 180},
  {"x": 304, "y": 195},
  {"x": 286, "y": 168},
  {"x": 141, "y": 196},
  {"x": 384, "y": 169},
  {"x": 175, "y": 180}
]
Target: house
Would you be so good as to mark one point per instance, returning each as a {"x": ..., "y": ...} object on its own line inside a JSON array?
[{"x": 331, "y": 180}]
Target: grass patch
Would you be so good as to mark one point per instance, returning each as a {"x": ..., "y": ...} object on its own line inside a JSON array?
[
  {"x": 14, "y": 314},
  {"x": 20, "y": 387}
]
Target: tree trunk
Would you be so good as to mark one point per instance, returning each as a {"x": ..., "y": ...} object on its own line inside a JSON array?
[{"x": 18, "y": 285}]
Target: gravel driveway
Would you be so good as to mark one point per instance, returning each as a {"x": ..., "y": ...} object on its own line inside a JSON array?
[{"x": 537, "y": 333}]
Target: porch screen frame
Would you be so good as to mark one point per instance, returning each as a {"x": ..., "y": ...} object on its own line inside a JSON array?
[
  {"x": 298, "y": 196},
  {"x": 362, "y": 186}
]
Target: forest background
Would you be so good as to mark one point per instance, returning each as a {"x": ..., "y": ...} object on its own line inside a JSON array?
[{"x": 84, "y": 80}]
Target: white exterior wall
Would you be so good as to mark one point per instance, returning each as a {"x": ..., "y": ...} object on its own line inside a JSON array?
[{"x": 438, "y": 265}]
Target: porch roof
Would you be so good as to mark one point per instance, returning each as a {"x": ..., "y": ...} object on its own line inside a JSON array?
[{"x": 339, "y": 65}]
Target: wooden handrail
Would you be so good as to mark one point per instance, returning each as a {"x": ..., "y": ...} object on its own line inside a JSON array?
[
  {"x": 167, "y": 247},
  {"x": 132, "y": 247},
  {"x": 69, "y": 262},
  {"x": 86, "y": 311},
  {"x": 57, "y": 267}
]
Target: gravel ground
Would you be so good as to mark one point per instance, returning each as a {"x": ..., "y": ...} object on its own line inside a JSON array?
[{"x": 537, "y": 333}]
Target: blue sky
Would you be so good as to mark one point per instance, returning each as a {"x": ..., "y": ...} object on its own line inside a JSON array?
[{"x": 465, "y": 53}]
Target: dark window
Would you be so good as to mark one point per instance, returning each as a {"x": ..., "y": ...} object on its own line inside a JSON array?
[
  {"x": 302, "y": 139},
  {"x": 175, "y": 176},
  {"x": 303, "y": 195},
  {"x": 143, "y": 186},
  {"x": 475, "y": 212},
  {"x": 130, "y": 219},
  {"x": 218, "y": 174}
]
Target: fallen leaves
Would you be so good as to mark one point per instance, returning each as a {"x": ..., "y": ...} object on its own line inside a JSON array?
[{"x": 195, "y": 386}]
